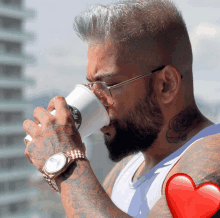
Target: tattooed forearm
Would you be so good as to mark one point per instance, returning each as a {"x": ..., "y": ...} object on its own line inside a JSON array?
[
  {"x": 182, "y": 124},
  {"x": 83, "y": 196}
]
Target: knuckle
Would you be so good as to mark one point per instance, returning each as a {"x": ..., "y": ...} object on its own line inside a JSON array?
[
  {"x": 67, "y": 116},
  {"x": 36, "y": 110},
  {"x": 49, "y": 119},
  {"x": 59, "y": 97},
  {"x": 26, "y": 122}
]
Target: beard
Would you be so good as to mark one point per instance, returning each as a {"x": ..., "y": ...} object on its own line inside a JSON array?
[{"x": 137, "y": 130}]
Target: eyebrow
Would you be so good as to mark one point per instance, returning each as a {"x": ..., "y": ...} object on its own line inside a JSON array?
[{"x": 101, "y": 76}]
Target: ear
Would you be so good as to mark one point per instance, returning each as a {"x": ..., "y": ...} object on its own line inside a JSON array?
[{"x": 167, "y": 84}]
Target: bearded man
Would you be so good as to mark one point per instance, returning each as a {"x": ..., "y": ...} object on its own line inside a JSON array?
[{"x": 141, "y": 50}]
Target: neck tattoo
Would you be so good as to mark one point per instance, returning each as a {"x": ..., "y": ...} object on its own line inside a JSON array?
[{"x": 182, "y": 124}]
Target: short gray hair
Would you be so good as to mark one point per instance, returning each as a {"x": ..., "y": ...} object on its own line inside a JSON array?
[{"x": 139, "y": 24}]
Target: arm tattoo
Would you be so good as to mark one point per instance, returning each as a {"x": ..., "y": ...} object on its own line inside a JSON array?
[
  {"x": 83, "y": 195},
  {"x": 182, "y": 124},
  {"x": 201, "y": 163},
  {"x": 43, "y": 114},
  {"x": 52, "y": 143},
  {"x": 30, "y": 127}
]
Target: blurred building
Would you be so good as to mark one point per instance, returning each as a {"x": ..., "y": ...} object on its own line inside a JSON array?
[{"x": 15, "y": 170}]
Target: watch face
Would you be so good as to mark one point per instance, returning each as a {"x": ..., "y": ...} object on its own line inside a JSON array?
[{"x": 55, "y": 163}]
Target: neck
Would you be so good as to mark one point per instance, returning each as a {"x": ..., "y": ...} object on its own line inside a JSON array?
[{"x": 174, "y": 134}]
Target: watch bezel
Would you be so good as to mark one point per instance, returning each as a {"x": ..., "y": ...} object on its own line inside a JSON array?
[{"x": 55, "y": 172}]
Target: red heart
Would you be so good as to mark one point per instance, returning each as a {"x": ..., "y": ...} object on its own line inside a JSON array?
[{"x": 187, "y": 201}]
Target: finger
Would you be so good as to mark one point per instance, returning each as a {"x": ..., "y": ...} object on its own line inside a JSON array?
[
  {"x": 36, "y": 121},
  {"x": 30, "y": 127},
  {"x": 42, "y": 116},
  {"x": 51, "y": 105},
  {"x": 26, "y": 142},
  {"x": 27, "y": 156},
  {"x": 61, "y": 106}
]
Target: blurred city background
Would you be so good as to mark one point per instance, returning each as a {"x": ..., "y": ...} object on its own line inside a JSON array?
[{"x": 41, "y": 57}]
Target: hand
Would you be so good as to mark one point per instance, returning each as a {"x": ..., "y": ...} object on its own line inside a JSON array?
[{"x": 56, "y": 133}]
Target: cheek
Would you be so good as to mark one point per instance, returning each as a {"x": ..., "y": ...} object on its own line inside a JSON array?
[{"x": 124, "y": 101}]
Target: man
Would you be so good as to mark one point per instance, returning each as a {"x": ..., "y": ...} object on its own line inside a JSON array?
[{"x": 156, "y": 129}]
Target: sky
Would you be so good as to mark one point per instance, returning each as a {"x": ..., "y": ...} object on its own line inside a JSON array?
[{"x": 61, "y": 56}]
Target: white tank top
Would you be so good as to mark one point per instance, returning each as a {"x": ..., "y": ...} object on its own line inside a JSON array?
[{"x": 137, "y": 199}]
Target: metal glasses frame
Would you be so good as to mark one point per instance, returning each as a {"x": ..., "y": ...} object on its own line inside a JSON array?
[
  {"x": 135, "y": 78},
  {"x": 129, "y": 80}
]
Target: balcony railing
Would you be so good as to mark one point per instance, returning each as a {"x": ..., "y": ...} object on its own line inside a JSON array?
[
  {"x": 15, "y": 82},
  {"x": 17, "y": 175},
  {"x": 15, "y": 11},
  {"x": 9, "y": 58},
  {"x": 18, "y": 196},
  {"x": 11, "y": 34},
  {"x": 13, "y": 151},
  {"x": 11, "y": 129}
]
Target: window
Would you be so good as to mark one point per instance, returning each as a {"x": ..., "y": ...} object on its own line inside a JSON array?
[
  {"x": 2, "y": 187},
  {"x": 17, "y": 140},
  {"x": 20, "y": 162},
  {"x": 15, "y": 94},
  {"x": 20, "y": 207},
  {"x": 11, "y": 186},
  {"x": 2, "y": 70},
  {"x": 2, "y": 47},
  {"x": 17, "y": 185},
  {"x": 1, "y": 22},
  {"x": 21, "y": 184},
  {"x": 3, "y": 210},
  {"x": 3, "y": 164},
  {"x": 9, "y": 140},
  {"x": 10, "y": 163},
  {"x": 14, "y": 3},
  {"x": 2, "y": 141},
  {"x": 13, "y": 208},
  {"x": 12, "y": 24},
  {"x": 13, "y": 71},
  {"x": 13, "y": 48},
  {"x": 1, "y": 94},
  {"x": 14, "y": 163},
  {"x": 11, "y": 117}
]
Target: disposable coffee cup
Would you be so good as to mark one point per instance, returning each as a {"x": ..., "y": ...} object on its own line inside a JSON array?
[{"x": 87, "y": 110}]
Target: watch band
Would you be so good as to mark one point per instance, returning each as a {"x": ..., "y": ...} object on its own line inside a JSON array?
[{"x": 72, "y": 155}]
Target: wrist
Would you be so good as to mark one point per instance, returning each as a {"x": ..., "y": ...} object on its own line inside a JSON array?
[
  {"x": 60, "y": 167},
  {"x": 70, "y": 173}
]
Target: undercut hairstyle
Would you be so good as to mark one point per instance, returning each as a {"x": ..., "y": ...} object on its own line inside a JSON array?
[{"x": 153, "y": 26}]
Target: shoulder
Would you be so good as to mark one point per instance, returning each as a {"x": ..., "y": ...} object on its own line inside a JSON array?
[
  {"x": 114, "y": 173},
  {"x": 201, "y": 160},
  {"x": 202, "y": 163}
]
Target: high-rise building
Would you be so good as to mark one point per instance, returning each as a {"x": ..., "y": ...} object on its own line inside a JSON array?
[{"x": 15, "y": 170}]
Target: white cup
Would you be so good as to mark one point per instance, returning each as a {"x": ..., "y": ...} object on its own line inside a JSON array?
[{"x": 88, "y": 112}]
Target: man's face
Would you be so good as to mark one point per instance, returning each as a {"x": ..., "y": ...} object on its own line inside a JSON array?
[{"x": 135, "y": 117}]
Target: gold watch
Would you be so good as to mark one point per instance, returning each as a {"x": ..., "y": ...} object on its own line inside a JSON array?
[{"x": 58, "y": 163}]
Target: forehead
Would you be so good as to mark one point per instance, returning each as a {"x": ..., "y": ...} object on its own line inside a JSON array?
[{"x": 109, "y": 58}]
